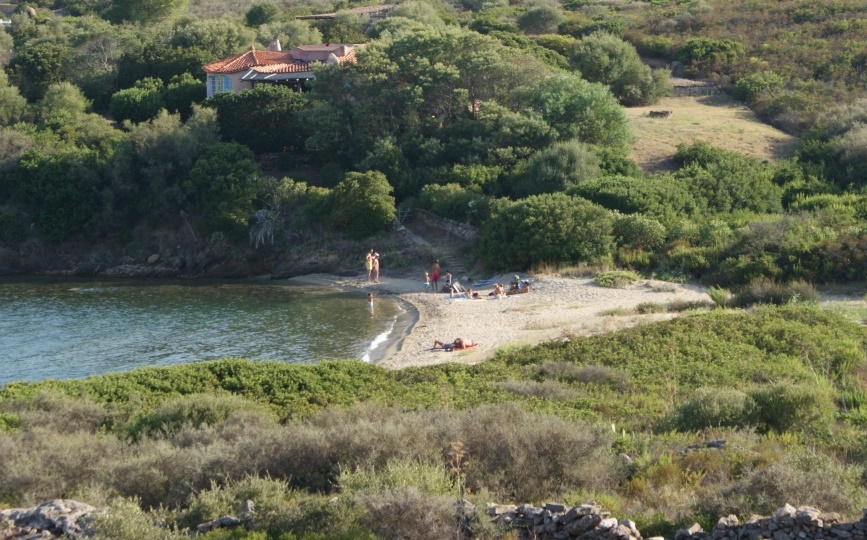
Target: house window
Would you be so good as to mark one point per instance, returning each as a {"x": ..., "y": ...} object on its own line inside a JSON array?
[{"x": 218, "y": 84}]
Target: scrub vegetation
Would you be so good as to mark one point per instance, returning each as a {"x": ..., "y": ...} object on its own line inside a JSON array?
[
  {"x": 508, "y": 116},
  {"x": 786, "y": 387}
]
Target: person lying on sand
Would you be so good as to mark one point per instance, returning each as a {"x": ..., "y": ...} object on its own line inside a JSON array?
[{"x": 458, "y": 344}]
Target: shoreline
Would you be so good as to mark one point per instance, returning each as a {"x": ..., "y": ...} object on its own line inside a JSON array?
[{"x": 555, "y": 308}]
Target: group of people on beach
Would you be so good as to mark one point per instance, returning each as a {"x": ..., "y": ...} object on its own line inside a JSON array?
[
  {"x": 431, "y": 283},
  {"x": 371, "y": 262}
]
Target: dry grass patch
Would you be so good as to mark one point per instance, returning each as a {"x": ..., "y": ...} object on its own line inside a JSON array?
[{"x": 718, "y": 120}]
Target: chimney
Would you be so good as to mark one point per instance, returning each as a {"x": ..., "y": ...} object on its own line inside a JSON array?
[{"x": 274, "y": 46}]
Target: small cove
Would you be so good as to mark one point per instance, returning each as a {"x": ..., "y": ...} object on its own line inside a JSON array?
[{"x": 72, "y": 328}]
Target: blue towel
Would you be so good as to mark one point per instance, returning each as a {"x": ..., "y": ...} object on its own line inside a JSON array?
[{"x": 483, "y": 283}]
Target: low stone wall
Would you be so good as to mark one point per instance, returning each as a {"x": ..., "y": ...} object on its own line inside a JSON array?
[
  {"x": 461, "y": 231},
  {"x": 553, "y": 521},
  {"x": 587, "y": 522},
  {"x": 556, "y": 521},
  {"x": 788, "y": 523}
]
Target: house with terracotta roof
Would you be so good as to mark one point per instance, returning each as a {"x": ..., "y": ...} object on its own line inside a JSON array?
[{"x": 273, "y": 66}]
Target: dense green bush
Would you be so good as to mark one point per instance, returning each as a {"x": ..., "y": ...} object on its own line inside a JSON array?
[
  {"x": 362, "y": 204},
  {"x": 660, "y": 196},
  {"x": 540, "y": 18},
  {"x": 195, "y": 410},
  {"x": 12, "y": 227},
  {"x": 713, "y": 408},
  {"x": 616, "y": 279},
  {"x": 264, "y": 118},
  {"x": 565, "y": 102},
  {"x": 557, "y": 168},
  {"x": 749, "y": 87},
  {"x": 222, "y": 186},
  {"x": 704, "y": 56},
  {"x": 552, "y": 228},
  {"x": 728, "y": 181},
  {"x": 607, "y": 59},
  {"x": 767, "y": 291},
  {"x": 454, "y": 202},
  {"x": 66, "y": 189},
  {"x": 639, "y": 232},
  {"x": 802, "y": 478},
  {"x": 139, "y": 103},
  {"x": 794, "y": 407}
]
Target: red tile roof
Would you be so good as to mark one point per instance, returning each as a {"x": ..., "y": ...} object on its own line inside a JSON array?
[
  {"x": 294, "y": 67},
  {"x": 272, "y": 61},
  {"x": 246, "y": 60}
]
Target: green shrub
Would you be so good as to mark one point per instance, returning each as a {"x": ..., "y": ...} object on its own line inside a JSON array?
[
  {"x": 12, "y": 228},
  {"x": 639, "y": 232},
  {"x": 720, "y": 297},
  {"x": 557, "y": 168},
  {"x": 429, "y": 478},
  {"x": 749, "y": 87},
  {"x": 768, "y": 291},
  {"x": 713, "y": 408},
  {"x": 411, "y": 514},
  {"x": 362, "y": 204},
  {"x": 728, "y": 181},
  {"x": 658, "y": 196},
  {"x": 705, "y": 55},
  {"x": 9, "y": 421},
  {"x": 689, "y": 260},
  {"x": 268, "y": 496},
  {"x": 551, "y": 228},
  {"x": 616, "y": 279},
  {"x": 608, "y": 59},
  {"x": 193, "y": 410},
  {"x": 548, "y": 390},
  {"x": 221, "y": 187},
  {"x": 139, "y": 103},
  {"x": 802, "y": 480},
  {"x": 646, "y": 308},
  {"x": 125, "y": 520},
  {"x": 589, "y": 374},
  {"x": 454, "y": 202},
  {"x": 793, "y": 407}
]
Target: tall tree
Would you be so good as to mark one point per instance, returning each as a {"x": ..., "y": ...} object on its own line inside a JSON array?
[
  {"x": 607, "y": 59},
  {"x": 143, "y": 11}
]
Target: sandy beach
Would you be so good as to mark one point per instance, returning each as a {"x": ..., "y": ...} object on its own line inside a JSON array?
[{"x": 555, "y": 308}]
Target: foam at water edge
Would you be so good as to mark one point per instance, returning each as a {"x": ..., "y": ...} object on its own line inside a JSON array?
[{"x": 379, "y": 340}]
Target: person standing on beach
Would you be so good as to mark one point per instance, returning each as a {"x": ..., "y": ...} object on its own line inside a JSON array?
[
  {"x": 426, "y": 282},
  {"x": 376, "y": 267},
  {"x": 435, "y": 276},
  {"x": 368, "y": 263}
]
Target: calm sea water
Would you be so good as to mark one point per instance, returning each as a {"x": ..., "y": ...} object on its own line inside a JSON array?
[{"x": 71, "y": 329}]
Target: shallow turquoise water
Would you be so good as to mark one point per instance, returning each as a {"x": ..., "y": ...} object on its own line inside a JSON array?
[{"x": 74, "y": 328}]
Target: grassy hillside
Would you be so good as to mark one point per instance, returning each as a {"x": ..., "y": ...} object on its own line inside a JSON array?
[
  {"x": 717, "y": 120},
  {"x": 786, "y": 387}
]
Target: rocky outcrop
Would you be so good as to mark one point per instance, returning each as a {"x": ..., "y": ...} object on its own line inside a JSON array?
[
  {"x": 314, "y": 263},
  {"x": 52, "y": 519}
]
